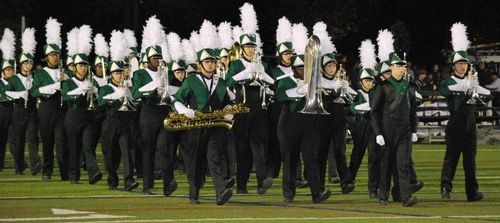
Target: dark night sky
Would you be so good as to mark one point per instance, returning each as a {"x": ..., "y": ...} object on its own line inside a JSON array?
[{"x": 350, "y": 21}]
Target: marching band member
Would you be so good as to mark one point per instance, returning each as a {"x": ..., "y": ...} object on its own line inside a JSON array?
[
  {"x": 461, "y": 133},
  {"x": 116, "y": 136},
  {"x": 250, "y": 129},
  {"x": 79, "y": 93},
  {"x": 51, "y": 111},
  {"x": 205, "y": 92}
]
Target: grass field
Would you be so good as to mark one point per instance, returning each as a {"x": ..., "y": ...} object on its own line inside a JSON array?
[{"x": 28, "y": 199}]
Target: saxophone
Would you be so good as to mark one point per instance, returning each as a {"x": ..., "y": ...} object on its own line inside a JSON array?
[
  {"x": 215, "y": 118},
  {"x": 90, "y": 91}
]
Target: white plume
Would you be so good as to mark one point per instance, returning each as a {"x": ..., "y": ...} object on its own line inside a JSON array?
[
  {"x": 8, "y": 44},
  {"x": 165, "y": 51},
  {"x": 225, "y": 35},
  {"x": 299, "y": 38},
  {"x": 208, "y": 35},
  {"x": 237, "y": 32},
  {"x": 53, "y": 32},
  {"x": 118, "y": 46},
  {"x": 130, "y": 37},
  {"x": 189, "y": 52},
  {"x": 248, "y": 19},
  {"x": 259, "y": 43},
  {"x": 85, "y": 39},
  {"x": 459, "y": 39},
  {"x": 101, "y": 46},
  {"x": 152, "y": 33},
  {"x": 367, "y": 54},
  {"x": 284, "y": 31},
  {"x": 29, "y": 41},
  {"x": 72, "y": 43},
  {"x": 385, "y": 42},
  {"x": 327, "y": 46},
  {"x": 195, "y": 40},
  {"x": 174, "y": 46}
]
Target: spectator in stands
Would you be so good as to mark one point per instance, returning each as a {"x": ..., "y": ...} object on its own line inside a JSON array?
[
  {"x": 494, "y": 87},
  {"x": 411, "y": 72},
  {"x": 432, "y": 83},
  {"x": 421, "y": 82},
  {"x": 483, "y": 74}
]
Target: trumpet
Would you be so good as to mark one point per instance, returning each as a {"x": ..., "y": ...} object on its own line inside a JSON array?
[
  {"x": 58, "y": 79},
  {"x": 221, "y": 69},
  {"x": 127, "y": 103},
  {"x": 215, "y": 118},
  {"x": 30, "y": 80},
  {"x": 165, "y": 96},
  {"x": 90, "y": 91},
  {"x": 257, "y": 80},
  {"x": 473, "y": 76},
  {"x": 341, "y": 76}
]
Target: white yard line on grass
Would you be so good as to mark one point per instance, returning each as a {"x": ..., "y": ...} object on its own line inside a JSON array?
[
  {"x": 296, "y": 219},
  {"x": 90, "y": 216}
]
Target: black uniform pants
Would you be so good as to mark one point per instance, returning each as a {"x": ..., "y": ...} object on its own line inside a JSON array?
[
  {"x": 396, "y": 156},
  {"x": 274, "y": 156},
  {"x": 363, "y": 139},
  {"x": 333, "y": 137},
  {"x": 116, "y": 145},
  {"x": 153, "y": 137},
  {"x": 251, "y": 141},
  {"x": 5, "y": 118},
  {"x": 32, "y": 133},
  {"x": 172, "y": 140},
  {"x": 80, "y": 131},
  {"x": 136, "y": 134},
  {"x": 299, "y": 134},
  {"x": 52, "y": 131},
  {"x": 206, "y": 147},
  {"x": 461, "y": 138},
  {"x": 21, "y": 126}
]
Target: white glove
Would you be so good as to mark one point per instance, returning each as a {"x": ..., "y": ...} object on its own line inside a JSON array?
[
  {"x": 336, "y": 85},
  {"x": 344, "y": 83},
  {"x": 13, "y": 94},
  {"x": 254, "y": 68},
  {"x": 29, "y": 85},
  {"x": 243, "y": 75},
  {"x": 56, "y": 86},
  {"x": 380, "y": 140},
  {"x": 302, "y": 90},
  {"x": 414, "y": 137},
  {"x": 189, "y": 113},
  {"x": 77, "y": 91},
  {"x": 24, "y": 94},
  {"x": 120, "y": 92},
  {"x": 363, "y": 107},
  {"x": 229, "y": 117}
]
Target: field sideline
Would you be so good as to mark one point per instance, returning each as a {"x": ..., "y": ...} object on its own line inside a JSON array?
[{"x": 28, "y": 199}]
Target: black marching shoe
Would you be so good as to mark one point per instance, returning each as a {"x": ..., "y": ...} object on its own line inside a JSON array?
[
  {"x": 170, "y": 189},
  {"x": 35, "y": 170},
  {"x": 266, "y": 184},
  {"x": 94, "y": 179},
  {"x": 476, "y": 197},
  {"x": 445, "y": 193},
  {"x": 288, "y": 200},
  {"x": 301, "y": 184},
  {"x": 383, "y": 202},
  {"x": 410, "y": 202},
  {"x": 46, "y": 178},
  {"x": 334, "y": 180},
  {"x": 131, "y": 186},
  {"x": 230, "y": 183},
  {"x": 322, "y": 196},
  {"x": 373, "y": 196},
  {"x": 74, "y": 182},
  {"x": 224, "y": 196},
  {"x": 348, "y": 188},
  {"x": 147, "y": 191},
  {"x": 417, "y": 186},
  {"x": 242, "y": 191},
  {"x": 194, "y": 201}
]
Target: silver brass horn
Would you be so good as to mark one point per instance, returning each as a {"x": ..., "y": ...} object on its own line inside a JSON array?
[{"x": 312, "y": 77}]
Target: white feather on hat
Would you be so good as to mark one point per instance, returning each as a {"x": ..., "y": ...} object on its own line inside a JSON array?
[
  {"x": 259, "y": 43},
  {"x": 208, "y": 35},
  {"x": 174, "y": 46},
  {"x": 152, "y": 33},
  {"x": 130, "y": 38},
  {"x": 53, "y": 31},
  {"x": 29, "y": 41},
  {"x": 118, "y": 46},
  {"x": 72, "y": 43},
  {"x": 367, "y": 54},
  {"x": 237, "y": 32},
  {"x": 101, "y": 46},
  {"x": 189, "y": 52},
  {"x": 459, "y": 39},
  {"x": 284, "y": 31},
  {"x": 85, "y": 39},
  {"x": 248, "y": 17},
  {"x": 165, "y": 51},
  {"x": 320, "y": 30},
  {"x": 225, "y": 35},
  {"x": 195, "y": 40},
  {"x": 8, "y": 44},
  {"x": 385, "y": 42},
  {"x": 299, "y": 38}
]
